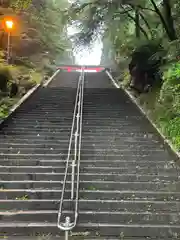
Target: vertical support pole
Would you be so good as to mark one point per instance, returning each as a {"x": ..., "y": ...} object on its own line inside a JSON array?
[
  {"x": 8, "y": 47},
  {"x": 67, "y": 225},
  {"x": 72, "y": 179},
  {"x": 66, "y": 235}
]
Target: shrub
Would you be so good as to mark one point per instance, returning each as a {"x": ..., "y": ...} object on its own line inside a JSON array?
[
  {"x": 171, "y": 129},
  {"x": 162, "y": 104},
  {"x": 145, "y": 65},
  {"x": 35, "y": 77},
  {"x": 126, "y": 78},
  {"x": 49, "y": 70},
  {"x": 168, "y": 105},
  {"x": 170, "y": 91},
  {"x": 3, "y": 111},
  {"x": 5, "y": 77}
]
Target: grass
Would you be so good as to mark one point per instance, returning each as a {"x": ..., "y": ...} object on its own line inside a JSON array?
[
  {"x": 5, "y": 104},
  {"x": 92, "y": 188},
  {"x": 159, "y": 114},
  {"x": 79, "y": 235},
  {"x": 3, "y": 237},
  {"x": 24, "y": 197},
  {"x": 2, "y": 187},
  {"x": 44, "y": 237}
]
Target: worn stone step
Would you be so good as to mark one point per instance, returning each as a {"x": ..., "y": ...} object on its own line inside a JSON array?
[
  {"x": 38, "y": 126},
  {"x": 88, "y": 132},
  {"x": 94, "y": 156},
  {"x": 85, "y": 145},
  {"x": 45, "y": 137},
  {"x": 103, "y": 217},
  {"x": 91, "y": 118},
  {"x": 134, "y": 231},
  {"x": 54, "y": 124},
  {"x": 25, "y": 176},
  {"x": 89, "y": 150},
  {"x": 92, "y": 169},
  {"x": 73, "y": 236},
  {"x": 96, "y": 185},
  {"x": 70, "y": 104},
  {"x": 68, "y": 127},
  {"x": 111, "y": 205},
  {"x": 40, "y": 117},
  {"x": 87, "y": 162},
  {"x": 123, "y": 195}
]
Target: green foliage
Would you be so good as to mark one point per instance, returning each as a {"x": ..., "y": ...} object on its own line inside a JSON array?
[
  {"x": 5, "y": 77},
  {"x": 171, "y": 129},
  {"x": 5, "y": 104},
  {"x": 172, "y": 74},
  {"x": 22, "y": 198},
  {"x": 126, "y": 78},
  {"x": 163, "y": 104},
  {"x": 35, "y": 76},
  {"x": 39, "y": 32},
  {"x": 170, "y": 91},
  {"x": 38, "y": 39},
  {"x": 3, "y": 111},
  {"x": 4, "y": 70},
  {"x": 148, "y": 56},
  {"x": 20, "y": 4},
  {"x": 24, "y": 77}
]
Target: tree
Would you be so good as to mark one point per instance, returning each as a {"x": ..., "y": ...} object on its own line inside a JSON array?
[
  {"x": 39, "y": 30},
  {"x": 100, "y": 13}
]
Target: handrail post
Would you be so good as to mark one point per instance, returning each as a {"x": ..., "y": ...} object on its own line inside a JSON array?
[
  {"x": 67, "y": 223},
  {"x": 72, "y": 179}
]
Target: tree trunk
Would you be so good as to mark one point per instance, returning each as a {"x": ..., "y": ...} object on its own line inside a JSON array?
[
  {"x": 137, "y": 23},
  {"x": 169, "y": 19},
  {"x": 163, "y": 21}
]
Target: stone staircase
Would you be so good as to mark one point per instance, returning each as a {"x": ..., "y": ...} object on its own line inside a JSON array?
[{"x": 129, "y": 183}]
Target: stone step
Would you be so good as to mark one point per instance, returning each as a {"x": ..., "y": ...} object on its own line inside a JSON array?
[
  {"x": 128, "y": 156},
  {"x": 86, "y": 145},
  {"x": 92, "y": 169},
  {"x": 111, "y": 205},
  {"x": 87, "y": 162},
  {"x": 134, "y": 231},
  {"x": 94, "y": 139},
  {"x": 25, "y": 176},
  {"x": 73, "y": 236},
  {"x": 91, "y": 194},
  {"x": 89, "y": 150},
  {"x": 95, "y": 185},
  {"x": 85, "y": 127},
  {"x": 104, "y": 217}
]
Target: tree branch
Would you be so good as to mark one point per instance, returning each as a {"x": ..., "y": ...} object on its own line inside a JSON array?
[
  {"x": 146, "y": 22},
  {"x": 131, "y": 17},
  {"x": 158, "y": 12}
]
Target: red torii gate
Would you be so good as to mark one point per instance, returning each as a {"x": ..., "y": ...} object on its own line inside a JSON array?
[{"x": 77, "y": 67}]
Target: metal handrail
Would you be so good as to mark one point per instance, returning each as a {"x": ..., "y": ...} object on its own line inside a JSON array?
[{"x": 77, "y": 116}]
